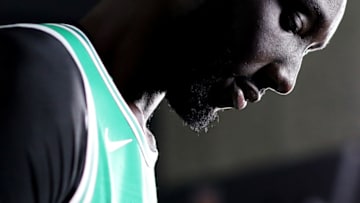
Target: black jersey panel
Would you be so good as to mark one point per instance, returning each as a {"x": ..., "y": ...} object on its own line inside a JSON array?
[{"x": 42, "y": 119}]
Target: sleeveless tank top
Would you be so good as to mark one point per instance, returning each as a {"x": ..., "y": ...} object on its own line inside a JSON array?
[{"x": 119, "y": 163}]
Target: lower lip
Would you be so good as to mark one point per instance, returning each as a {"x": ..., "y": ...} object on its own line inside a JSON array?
[{"x": 239, "y": 99}]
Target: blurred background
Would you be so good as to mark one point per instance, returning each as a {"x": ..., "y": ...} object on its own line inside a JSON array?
[{"x": 304, "y": 147}]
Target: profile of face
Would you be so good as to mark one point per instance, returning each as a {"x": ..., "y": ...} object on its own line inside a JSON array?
[{"x": 225, "y": 53}]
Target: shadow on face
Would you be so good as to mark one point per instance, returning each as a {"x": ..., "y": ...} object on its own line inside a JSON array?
[{"x": 224, "y": 54}]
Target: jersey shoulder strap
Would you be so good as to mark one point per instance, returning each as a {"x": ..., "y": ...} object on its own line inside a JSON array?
[{"x": 113, "y": 172}]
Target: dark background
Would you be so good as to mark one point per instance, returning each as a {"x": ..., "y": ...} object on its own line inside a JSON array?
[{"x": 13, "y": 11}]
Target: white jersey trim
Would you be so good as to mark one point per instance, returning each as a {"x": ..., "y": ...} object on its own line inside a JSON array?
[{"x": 149, "y": 155}]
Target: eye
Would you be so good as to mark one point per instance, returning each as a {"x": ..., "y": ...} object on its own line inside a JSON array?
[{"x": 294, "y": 22}]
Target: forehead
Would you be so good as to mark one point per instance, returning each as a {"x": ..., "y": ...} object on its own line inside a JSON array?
[{"x": 331, "y": 10}]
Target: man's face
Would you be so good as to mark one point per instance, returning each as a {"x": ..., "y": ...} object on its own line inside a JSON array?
[{"x": 225, "y": 53}]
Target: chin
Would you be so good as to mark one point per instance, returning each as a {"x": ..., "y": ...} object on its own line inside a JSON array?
[
  {"x": 191, "y": 103},
  {"x": 199, "y": 118}
]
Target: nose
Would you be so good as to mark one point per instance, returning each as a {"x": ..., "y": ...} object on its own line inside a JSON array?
[{"x": 276, "y": 76}]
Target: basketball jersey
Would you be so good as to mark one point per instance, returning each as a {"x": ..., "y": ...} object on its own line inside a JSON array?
[{"x": 119, "y": 163}]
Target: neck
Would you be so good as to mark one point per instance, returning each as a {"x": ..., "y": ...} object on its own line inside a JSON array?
[
  {"x": 112, "y": 23},
  {"x": 118, "y": 32},
  {"x": 145, "y": 107}
]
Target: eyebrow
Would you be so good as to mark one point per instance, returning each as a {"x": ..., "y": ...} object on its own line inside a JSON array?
[{"x": 315, "y": 9}]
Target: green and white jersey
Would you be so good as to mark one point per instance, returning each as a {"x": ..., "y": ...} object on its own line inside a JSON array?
[{"x": 119, "y": 164}]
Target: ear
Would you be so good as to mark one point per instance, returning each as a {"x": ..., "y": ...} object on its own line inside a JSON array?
[{"x": 178, "y": 7}]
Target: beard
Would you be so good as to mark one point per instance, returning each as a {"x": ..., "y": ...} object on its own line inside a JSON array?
[
  {"x": 197, "y": 50},
  {"x": 193, "y": 104}
]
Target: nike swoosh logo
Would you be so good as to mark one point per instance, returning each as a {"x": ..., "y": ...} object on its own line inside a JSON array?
[{"x": 112, "y": 146}]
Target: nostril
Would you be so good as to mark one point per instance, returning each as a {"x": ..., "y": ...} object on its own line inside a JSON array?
[
  {"x": 264, "y": 80},
  {"x": 271, "y": 77}
]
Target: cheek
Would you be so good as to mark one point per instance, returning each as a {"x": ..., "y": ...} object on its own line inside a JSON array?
[
  {"x": 261, "y": 39},
  {"x": 250, "y": 29}
]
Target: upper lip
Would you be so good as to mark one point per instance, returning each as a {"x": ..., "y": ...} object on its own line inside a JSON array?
[{"x": 250, "y": 90}]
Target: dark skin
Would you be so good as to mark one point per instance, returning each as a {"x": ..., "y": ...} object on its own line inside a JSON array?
[{"x": 210, "y": 55}]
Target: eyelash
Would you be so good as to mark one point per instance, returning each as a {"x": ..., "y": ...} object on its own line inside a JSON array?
[
  {"x": 292, "y": 22},
  {"x": 295, "y": 23}
]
